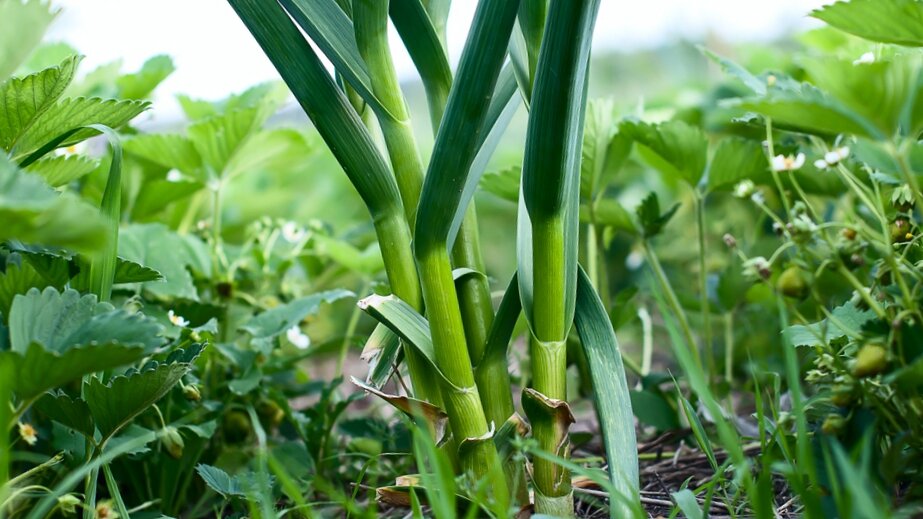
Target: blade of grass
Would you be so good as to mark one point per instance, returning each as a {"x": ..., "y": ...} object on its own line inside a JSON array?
[{"x": 102, "y": 267}]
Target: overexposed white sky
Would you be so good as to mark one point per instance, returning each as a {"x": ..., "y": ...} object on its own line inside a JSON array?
[{"x": 215, "y": 55}]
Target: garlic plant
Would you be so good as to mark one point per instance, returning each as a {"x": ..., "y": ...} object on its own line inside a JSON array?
[{"x": 427, "y": 226}]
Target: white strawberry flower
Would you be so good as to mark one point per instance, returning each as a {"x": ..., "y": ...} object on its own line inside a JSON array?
[
  {"x": 27, "y": 433},
  {"x": 292, "y": 232},
  {"x": 177, "y": 320},
  {"x": 836, "y": 155},
  {"x": 787, "y": 163},
  {"x": 298, "y": 338}
]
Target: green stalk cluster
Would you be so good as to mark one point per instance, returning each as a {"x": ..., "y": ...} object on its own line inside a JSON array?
[{"x": 466, "y": 371}]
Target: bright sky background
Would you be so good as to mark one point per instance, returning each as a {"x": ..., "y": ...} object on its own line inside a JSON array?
[{"x": 216, "y": 56}]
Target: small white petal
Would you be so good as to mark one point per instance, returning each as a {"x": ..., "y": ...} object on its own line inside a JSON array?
[
  {"x": 174, "y": 176},
  {"x": 821, "y": 164},
  {"x": 177, "y": 320},
  {"x": 778, "y": 163},
  {"x": 799, "y": 161},
  {"x": 298, "y": 338},
  {"x": 865, "y": 59}
]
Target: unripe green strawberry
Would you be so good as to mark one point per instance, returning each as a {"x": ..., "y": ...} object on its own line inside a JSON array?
[
  {"x": 871, "y": 360},
  {"x": 271, "y": 415},
  {"x": 792, "y": 283},
  {"x": 833, "y": 424},
  {"x": 173, "y": 442},
  {"x": 236, "y": 426},
  {"x": 192, "y": 393}
]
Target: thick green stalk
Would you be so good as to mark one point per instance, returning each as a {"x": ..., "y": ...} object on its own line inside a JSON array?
[
  {"x": 550, "y": 187},
  {"x": 492, "y": 375},
  {"x": 548, "y": 352},
  {"x": 461, "y": 398},
  {"x": 370, "y": 19},
  {"x": 456, "y": 145},
  {"x": 393, "y": 232}
]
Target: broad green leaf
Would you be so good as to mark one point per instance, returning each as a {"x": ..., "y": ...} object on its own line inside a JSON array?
[
  {"x": 156, "y": 195},
  {"x": 808, "y": 109},
  {"x": 221, "y": 482},
  {"x": 686, "y": 501},
  {"x": 173, "y": 256},
  {"x": 613, "y": 403},
  {"x": 649, "y": 215},
  {"x": 77, "y": 114},
  {"x": 18, "y": 278},
  {"x": 115, "y": 403},
  {"x": 168, "y": 150},
  {"x": 61, "y": 170},
  {"x": 463, "y": 127},
  {"x": 608, "y": 211},
  {"x": 877, "y": 91},
  {"x": 49, "y": 317},
  {"x": 217, "y": 139},
  {"x": 24, "y": 25},
  {"x": 676, "y": 149},
  {"x": 38, "y": 370},
  {"x": 598, "y": 130},
  {"x": 63, "y": 320},
  {"x": 140, "y": 84},
  {"x": 72, "y": 412},
  {"x": 503, "y": 183},
  {"x": 269, "y": 151},
  {"x": 887, "y": 21},
  {"x": 652, "y": 409},
  {"x": 847, "y": 320},
  {"x": 736, "y": 159},
  {"x": 276, "y": 321},
  {"x": 756, "y": 85},
  {"x": 22, "y": 100},
  {"x": 368, "y": 261},
  {"x": 33, "y": 212}
]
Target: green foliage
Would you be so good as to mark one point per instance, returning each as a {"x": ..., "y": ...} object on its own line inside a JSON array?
[
  {"x": 113, "y": 404},
  {"x": 675, "y": 148},
  {"x": 26, "y": 23},
  {"x": 887, "y": 21},
  {"x": 36, "y": 213}
]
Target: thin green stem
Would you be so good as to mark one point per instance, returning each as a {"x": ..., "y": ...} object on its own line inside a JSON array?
[
  {"x": 703, "y": 285},
  {"x": 667, "y": 289}
]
